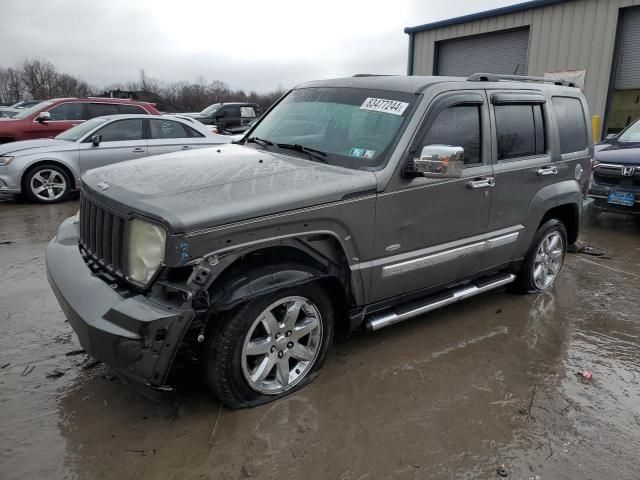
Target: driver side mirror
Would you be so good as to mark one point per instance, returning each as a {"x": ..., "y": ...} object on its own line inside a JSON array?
[
  {"x": 43, "y": 117},
  {"x": 96, "y": 139},
  {"x": 437, "y": 161},
  {"x": 611, "y": 136}
]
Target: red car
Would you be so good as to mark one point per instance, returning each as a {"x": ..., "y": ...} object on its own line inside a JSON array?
[{"x": 51, "y": 117}]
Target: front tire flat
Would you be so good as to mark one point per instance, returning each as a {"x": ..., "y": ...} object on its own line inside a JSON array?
[{"x": 268, "y": 347}]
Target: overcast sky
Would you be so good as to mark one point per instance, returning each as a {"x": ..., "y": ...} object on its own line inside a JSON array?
[{"x": 250, "y": 44}]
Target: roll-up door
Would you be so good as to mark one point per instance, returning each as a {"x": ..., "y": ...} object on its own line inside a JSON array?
[
  {"x": 628, "y": 74},
  {"x": 497, "y": 52}
]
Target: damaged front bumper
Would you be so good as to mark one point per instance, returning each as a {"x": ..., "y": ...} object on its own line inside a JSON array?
[{"x": 136, "y": 335}]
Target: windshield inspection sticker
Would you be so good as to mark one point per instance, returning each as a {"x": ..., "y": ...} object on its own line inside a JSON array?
[
  {"x": 383, "y": 105},
  {"x": 361, "y": 153}
]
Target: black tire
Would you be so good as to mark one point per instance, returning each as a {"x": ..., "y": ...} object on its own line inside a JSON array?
[
  {"x": 47, "y": 171},
  {"x": 525, "y": 281},
  {"x": 225, "y": 339}
]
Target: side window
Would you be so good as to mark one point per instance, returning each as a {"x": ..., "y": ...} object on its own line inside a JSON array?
[
  {"x": 67, "y": 111},
  {"x": 194, "y": 133},
  {"x": 122, "y": 130},
  {"x": 163, "y": 129},
  {"x": 458, "y": 126},
  {"x": 571, "y": 124},
  {"x": 132, "y": 109},
  {"x": 247, "y": 112},
  {"x": 520, "y": 131},
  {"x": 101, "y": 109},
  {"x": 233, "y": 112}
]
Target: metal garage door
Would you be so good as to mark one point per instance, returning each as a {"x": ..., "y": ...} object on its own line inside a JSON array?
[
  {"x": 498, "y": 52},
  {"x": 628, "y": 74}
]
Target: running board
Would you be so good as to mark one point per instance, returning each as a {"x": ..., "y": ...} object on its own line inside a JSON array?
[{"x": 381, "y": 320}]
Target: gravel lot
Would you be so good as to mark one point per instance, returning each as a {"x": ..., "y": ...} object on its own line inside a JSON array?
[{"x": 485, "y": 383}]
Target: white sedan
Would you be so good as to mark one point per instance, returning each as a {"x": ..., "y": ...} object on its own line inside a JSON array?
[{"x": 47, "y": 170}]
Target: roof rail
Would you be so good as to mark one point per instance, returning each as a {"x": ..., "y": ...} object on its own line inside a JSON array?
[
  {"x": 493, "y": 77},
  {"x": 370, "y": 75}
]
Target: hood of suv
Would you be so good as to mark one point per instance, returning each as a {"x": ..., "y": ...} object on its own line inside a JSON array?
[
  {"x": 27, "y": 147},
  {"x": 627, "y": 153},
  {"x": 215, "y": 186}
]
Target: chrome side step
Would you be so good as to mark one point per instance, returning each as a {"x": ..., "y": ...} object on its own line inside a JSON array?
[{"x": 381, "y": 320}]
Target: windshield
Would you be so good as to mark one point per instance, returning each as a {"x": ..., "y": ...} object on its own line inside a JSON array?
[
  {"x": 76, "y": 133},
  {"x": 210, "y": 110},
  {"x": 355, "y": 128},
  {"x": 31, "y": 110},
  {"x": 631, "y": 134}
]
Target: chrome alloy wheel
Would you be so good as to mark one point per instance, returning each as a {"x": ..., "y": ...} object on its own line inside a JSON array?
[
  {"x": 48, "y": 185},
  {"x": 548, "y": 260},
  {"x": 282, "y": 345}
]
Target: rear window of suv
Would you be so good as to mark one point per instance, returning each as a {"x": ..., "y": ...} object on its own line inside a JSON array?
[{"x": 572, "y": 125}]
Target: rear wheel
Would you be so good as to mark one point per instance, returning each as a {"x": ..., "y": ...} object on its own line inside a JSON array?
[
  {"x": 47, "y": 183},
  {"x": 269, "y": 347},
  {"x": 544, "y": 259}
]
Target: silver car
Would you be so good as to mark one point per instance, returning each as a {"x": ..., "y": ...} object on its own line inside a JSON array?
[{"x": 47, "y": 170}]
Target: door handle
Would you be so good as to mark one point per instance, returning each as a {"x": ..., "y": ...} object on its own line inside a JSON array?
[
  {"x": 548, "y": 171},
  {"x": 186, "y": 147},
  {"x": 486, "y": 182},
  {"x": 75, "y": 124},
  {"x": 138, "y": 150}
]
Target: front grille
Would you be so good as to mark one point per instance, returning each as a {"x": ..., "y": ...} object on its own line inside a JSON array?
[
  {"x": 612, "y": 175},
  {"x": 102, "y": 235}
]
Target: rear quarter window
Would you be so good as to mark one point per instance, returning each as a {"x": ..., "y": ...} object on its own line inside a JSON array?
[
  {"x": 101, "y": 109},
  {"x": 572, "y": 126},
  {"x": 132, "y": 109}
]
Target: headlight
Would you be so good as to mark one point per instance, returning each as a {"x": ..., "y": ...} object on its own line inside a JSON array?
[
  {"x": 146, "y": 250},
  {"x": 5, "y": 160}
]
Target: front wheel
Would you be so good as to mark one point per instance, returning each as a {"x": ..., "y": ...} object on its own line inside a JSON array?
[
  {"x": 544, "y": 259},
  {"x": 47, "y": 183},
  {"x": 269, "y": 347}
]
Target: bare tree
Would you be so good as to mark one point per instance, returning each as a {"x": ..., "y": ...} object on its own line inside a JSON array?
[
  {"x": 70, "y": 86},
  {"x": 39, "y": 78},
  {"x": 148, "y": 84}
]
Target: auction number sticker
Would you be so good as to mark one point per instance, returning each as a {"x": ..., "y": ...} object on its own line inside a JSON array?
[{"x": 383, "y": 105}]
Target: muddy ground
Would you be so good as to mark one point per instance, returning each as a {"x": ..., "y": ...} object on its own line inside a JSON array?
[{"x": 454, "y": 394}]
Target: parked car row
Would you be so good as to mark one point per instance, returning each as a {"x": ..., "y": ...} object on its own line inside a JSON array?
[
  {"x": 47, "y": 170},
  {"x": 51, "y": 117}
]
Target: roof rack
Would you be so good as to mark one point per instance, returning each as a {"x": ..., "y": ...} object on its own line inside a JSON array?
[
  {"x": 493, "y": 77},
  {"x": 357, "y": 75}
]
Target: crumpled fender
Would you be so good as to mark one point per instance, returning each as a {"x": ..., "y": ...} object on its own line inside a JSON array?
[{"x": 235, "y": 287}]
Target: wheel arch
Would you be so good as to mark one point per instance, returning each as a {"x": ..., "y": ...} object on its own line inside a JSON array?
[
  {"x": 264, "y": 268},
  {"x": 560, "y": 200},
  {"x": 569, "y": 215},
  {"x": 48, "y": 161}
]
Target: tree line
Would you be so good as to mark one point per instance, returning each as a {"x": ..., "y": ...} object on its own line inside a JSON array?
[{"x": 39, "y": 79}]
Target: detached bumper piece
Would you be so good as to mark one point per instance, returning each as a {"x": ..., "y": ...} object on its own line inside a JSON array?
[{"x": 135, "y": 335}]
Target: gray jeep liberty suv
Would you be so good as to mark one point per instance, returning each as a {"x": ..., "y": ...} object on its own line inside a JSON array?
[{"x": 356, "y": 202}]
